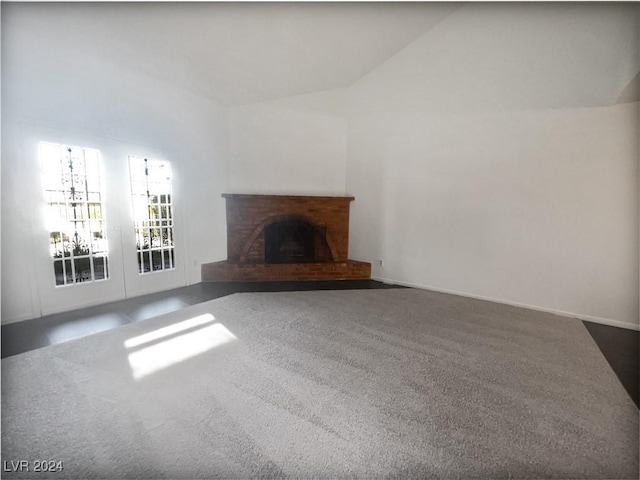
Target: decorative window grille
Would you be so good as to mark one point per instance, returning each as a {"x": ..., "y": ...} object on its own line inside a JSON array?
[
  {"x": 152, "y": 214},
  {"x": 74, "y": 213}
]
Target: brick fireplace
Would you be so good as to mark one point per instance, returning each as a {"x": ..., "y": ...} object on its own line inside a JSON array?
[{"x": 286, "y": 237}]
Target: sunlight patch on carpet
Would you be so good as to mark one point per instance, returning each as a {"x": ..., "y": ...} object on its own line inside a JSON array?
[
  {"x": 170, "y": 330},
  {"x": 175, "y": 350}
]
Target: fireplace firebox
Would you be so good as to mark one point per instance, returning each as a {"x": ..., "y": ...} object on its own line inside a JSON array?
[{"x": 290, "y": 241}]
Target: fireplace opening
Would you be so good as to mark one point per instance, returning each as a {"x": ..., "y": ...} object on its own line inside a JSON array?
[{"x": 290, "y": 241}]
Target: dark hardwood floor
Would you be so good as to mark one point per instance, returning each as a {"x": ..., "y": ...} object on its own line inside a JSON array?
[
  {"x": 52, "y": 329},
  {"x": 619, "y": 346}
]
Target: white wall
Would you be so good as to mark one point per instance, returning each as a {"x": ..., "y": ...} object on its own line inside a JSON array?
[
  {"x": 296, "y": 145},
  {"x": 489, "y": 159},
  {"x": 55, "y": 92},
  {"x": 52, "y": 92}
]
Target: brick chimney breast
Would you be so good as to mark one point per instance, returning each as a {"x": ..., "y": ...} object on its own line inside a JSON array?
[{"x": 324, "y": 220}]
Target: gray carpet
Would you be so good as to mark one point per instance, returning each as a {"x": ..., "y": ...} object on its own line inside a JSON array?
[{"x": 398, "y": 382}]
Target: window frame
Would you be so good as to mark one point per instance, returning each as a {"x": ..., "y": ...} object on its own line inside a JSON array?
[
  {"x": 80, "y": 192},
  {"x": 153, "y": 214}
]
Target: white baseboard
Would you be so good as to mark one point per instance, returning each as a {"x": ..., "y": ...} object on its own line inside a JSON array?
[
  {"x": 580, "y": 316},
  {"x": 16, "y": 318}
]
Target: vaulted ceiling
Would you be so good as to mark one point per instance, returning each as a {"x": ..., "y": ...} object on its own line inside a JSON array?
[{"x": 233, "y": 53}]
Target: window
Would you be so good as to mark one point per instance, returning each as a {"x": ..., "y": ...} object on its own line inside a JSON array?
[
  {"x": 74, "y": 213},
  {"x": 152, "y": 214}
]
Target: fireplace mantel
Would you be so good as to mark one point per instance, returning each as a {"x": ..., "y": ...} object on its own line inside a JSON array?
[
  {"x": 297, "y": 197},
  {"x": 249, "y": 218}
]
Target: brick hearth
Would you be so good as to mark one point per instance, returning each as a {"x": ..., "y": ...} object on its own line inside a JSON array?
[{"x": 249, "y": 215}]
